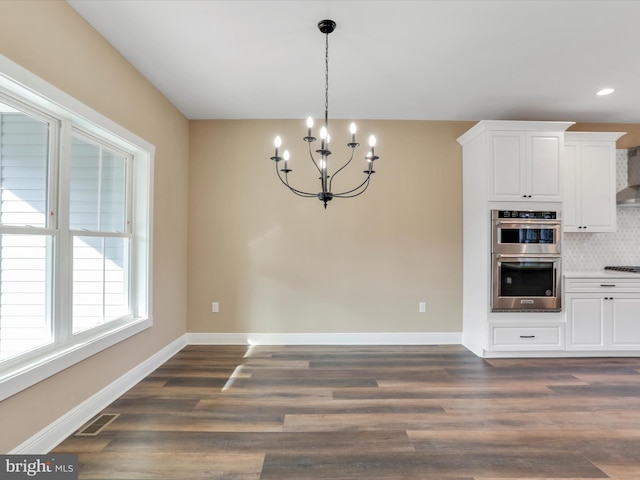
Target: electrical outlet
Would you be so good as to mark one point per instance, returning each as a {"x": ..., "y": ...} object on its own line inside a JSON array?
[
  {"x": 215, "y": 307},
  {"x": 422, "y": 307}
]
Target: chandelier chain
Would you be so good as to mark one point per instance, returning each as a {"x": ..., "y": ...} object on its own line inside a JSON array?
[{"x": 326, "y": 80}]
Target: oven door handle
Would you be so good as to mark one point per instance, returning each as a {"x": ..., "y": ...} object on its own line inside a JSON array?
[
  {"x": 529, "y": 224},
  {"x": 538, "y": 257}
]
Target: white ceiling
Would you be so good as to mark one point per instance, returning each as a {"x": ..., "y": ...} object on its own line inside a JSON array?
[{"x": 413, "y": 60}]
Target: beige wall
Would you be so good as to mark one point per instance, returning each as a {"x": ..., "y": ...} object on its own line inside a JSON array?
[
  {"x": 279, "y": 263},
  {"x": 52, "y": 41}
]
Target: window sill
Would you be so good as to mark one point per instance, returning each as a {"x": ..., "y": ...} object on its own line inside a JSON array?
[{"x": 50, "y": 363}]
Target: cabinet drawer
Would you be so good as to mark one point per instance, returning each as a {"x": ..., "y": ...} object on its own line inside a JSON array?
[
  {"x": 527, "y": 338},
  {"x": 602, "y": 284}
]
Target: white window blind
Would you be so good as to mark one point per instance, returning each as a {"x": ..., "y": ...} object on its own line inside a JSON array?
[
  {"x": 98, "y": 220},
  {"x": 25, "y": 256},
  {"x": 24, "y": 156}
]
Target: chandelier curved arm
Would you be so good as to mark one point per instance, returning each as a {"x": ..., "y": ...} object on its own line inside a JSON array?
[
  {"x": 341, "y": 168},
  {"x": 313, "y": 160},
  {"x": 343, "y": 195},
  {"x": 364, "y": 184},
  {"x": 294, "y": 190}
]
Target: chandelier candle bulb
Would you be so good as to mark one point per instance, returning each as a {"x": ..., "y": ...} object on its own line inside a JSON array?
[
  {"x": 277, "y": 143},
  {"x": 323, "y": 137},
  {"x": 286, "y": 161},
  {"x": 309, "y": 126},
  {"x": 352, "y": 129}
]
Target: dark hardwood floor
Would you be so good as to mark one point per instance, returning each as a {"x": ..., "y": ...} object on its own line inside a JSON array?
[{"x": 379, "y": 413}]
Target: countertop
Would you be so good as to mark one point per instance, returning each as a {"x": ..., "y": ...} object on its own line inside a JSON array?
[{"x": 601, "y": 274}]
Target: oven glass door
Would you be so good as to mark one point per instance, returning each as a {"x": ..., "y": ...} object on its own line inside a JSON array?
[
  {"x": 526, "y": 238},
  {"x": 527, "y": 234},
  {"x": 526, "y": 283}
]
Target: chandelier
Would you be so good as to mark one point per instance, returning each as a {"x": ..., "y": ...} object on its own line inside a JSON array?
[{"x": 321, "y": 159}]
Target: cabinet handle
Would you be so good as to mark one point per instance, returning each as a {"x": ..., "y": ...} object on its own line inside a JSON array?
[
  {"x": 607, "y": 284},
  {"x": 527, "y": 336}
]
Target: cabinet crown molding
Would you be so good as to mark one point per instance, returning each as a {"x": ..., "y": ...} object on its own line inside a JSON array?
[
  {"x": 593, "y": 136},
  {"x": 512, "y": 125}
]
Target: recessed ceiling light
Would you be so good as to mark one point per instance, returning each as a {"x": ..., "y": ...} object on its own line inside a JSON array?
[{"x": 605, "y": 91}]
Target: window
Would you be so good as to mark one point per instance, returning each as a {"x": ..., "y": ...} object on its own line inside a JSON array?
[
  {"x": 98, "y": 215},
  {"x": 26, "y": 239},
  {"x": 75, "y": 211}
]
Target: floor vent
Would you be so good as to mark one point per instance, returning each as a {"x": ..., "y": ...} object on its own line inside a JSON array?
[{"x": 96, "y": 426}]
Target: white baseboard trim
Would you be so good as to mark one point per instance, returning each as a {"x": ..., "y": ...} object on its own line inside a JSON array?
[
  {"x": 396, "y": 338},
  {"x": 47, "y": 438}
]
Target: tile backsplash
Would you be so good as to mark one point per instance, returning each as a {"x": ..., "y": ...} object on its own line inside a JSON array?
[{"x": 592, "y": 251}]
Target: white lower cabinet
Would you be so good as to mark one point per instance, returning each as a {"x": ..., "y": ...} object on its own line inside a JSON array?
[
  {"x": 602, "y": 314},
  {"x": 585, "y": 322},
  {"x": 625, "y": 323},
  {"x": 516, "y": 337}
]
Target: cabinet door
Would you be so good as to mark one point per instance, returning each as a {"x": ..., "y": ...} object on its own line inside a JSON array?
[
  {"x": 625, "y": 324},
  {"x": 543, "y": 167},
  {"x": 589, "y": 187},
  {"x": 506, "y": 166},
  {"x": 570, "y": 191},
  {"x": 597, "y": 187},
  {"x": 585, "y": 322},
  {"x": 524, "y": 166}
]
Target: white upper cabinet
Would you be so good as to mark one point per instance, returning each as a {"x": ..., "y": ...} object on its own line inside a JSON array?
[
  {"x": 589, "y": 182},
  {"x": 525, "y": 166}
]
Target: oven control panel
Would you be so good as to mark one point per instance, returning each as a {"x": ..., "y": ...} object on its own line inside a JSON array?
[{"x": 526, "y": 214}]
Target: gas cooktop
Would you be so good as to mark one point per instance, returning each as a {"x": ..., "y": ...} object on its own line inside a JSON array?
[{"x": 623, "y": 269}]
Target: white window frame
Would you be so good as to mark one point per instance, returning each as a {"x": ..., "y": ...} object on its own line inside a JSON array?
[
  {"x": 72, "y": 233},
  {"x": 21, "y": 372}
]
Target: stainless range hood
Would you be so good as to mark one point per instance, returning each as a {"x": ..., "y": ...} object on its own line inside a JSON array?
[{"x": 630, "y": 195}]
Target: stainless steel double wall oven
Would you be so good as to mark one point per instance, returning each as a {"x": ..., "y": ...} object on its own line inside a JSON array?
[{"x": 526, "y": 261}]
